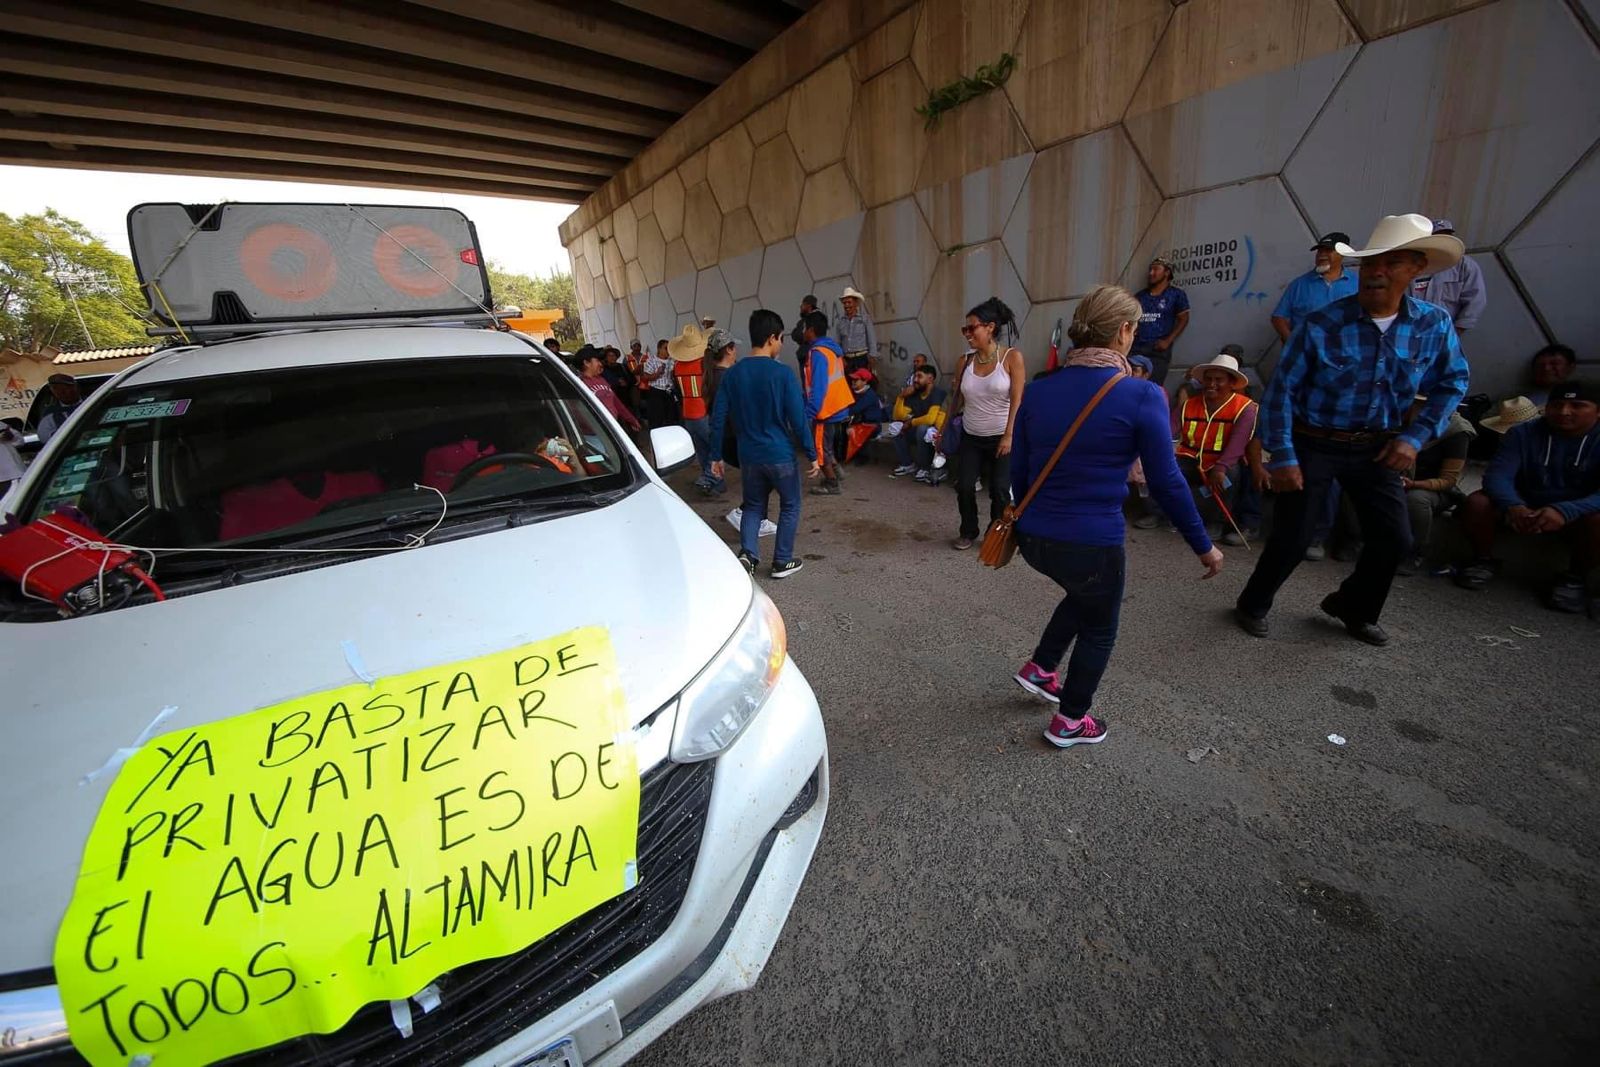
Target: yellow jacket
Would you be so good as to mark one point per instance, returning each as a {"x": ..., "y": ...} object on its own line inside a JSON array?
[{"x": 921, "y": 410}]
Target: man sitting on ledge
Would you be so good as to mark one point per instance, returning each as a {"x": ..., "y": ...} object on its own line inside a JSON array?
[{"x": 1545, "y": 479}]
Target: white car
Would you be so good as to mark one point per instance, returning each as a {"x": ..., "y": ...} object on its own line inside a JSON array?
[{"x": 465, "y": 494}]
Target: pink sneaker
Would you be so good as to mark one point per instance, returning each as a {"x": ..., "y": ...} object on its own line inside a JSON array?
[
  {"x": 1040, "y": 683},
  {"x": 1062, "y": 734}
]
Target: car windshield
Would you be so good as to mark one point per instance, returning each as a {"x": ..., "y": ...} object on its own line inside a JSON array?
[{"x": 277, "y": 457}]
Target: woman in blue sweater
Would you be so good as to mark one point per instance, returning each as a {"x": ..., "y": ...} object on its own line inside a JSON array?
[{"x": 1072, "y": 530}]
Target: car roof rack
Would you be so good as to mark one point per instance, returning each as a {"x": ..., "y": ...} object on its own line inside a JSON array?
[{"x": 231, "y": 269}]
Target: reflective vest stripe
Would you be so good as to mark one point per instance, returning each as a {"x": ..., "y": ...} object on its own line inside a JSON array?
[{"x": 1204, "y": 433}]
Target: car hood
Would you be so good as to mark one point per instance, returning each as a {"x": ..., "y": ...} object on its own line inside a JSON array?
[{"x": 647, "y": 568}]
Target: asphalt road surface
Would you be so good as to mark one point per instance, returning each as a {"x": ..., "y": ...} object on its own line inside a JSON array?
[{"x": 1217, "y": 882}]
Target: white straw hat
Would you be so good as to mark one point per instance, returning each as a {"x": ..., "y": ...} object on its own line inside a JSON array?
[
  {"x": 1223, "y": 362},
  {"x": 1409, "y": 233},
  {"x": 1513, "y": 412}
]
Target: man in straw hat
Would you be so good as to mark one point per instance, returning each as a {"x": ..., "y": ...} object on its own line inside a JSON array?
[
  {"x": 855, "y": 332},
  {"x": 1544, "y": 479},
  {"x": 1212, "y": 428},
  {"x": 1335, "y": 413},
  {"x": 688, "y": 352}
]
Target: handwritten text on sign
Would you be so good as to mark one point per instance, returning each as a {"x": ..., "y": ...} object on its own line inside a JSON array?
[{"x": 263, "y": 876}]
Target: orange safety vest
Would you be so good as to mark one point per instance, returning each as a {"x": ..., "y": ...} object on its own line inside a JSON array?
[
  {"x": 1204, "y": 435},
  {"x": 692, "y": 380},
  {"x": 838, "y": 396}
]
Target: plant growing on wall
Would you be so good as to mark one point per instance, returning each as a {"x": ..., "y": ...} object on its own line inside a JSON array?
[{"x": 967, "y": 87}]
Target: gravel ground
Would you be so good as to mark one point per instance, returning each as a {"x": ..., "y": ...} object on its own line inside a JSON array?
[{"x": 1217, "y": 882}]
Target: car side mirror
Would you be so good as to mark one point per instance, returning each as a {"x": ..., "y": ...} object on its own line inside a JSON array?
[{"x": 673, "y": 448}]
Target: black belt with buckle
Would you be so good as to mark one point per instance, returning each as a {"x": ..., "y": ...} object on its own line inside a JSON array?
[{"x": 1343, "y": 437}]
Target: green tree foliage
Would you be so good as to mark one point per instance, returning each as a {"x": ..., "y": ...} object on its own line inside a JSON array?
[
  {"x": 60, "y": 285},
  {"x": 556, "y": 291}
]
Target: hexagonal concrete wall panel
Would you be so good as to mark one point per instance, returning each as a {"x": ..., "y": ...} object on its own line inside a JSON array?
[
  {"x": 1035, "y": 344},
  {"x": 1379, "y": 18},
  {"x": 831, "y": 250},
  {"x": 662, "y": 312},
  {"x": 589, "y": 247},
  {"x": 692, "y": 171},
  {"x": 784, "y": 277},
  {"x": 743, "y": 273},
  {"x": 896, "y": 260},
  {"x": 680, "y": 287},
  {"x": 625, "y": 231},
  {"x": 1506, "y": 337},
  {"x": 711, "y": 299},
  {"x": 964, "y": 280},
  {"x": 652, "y": 251},
  {"x": 1084, "y": 206},
  {"x": 582, "y": 282},
  {"x": 1419, "y": 124},
  {"x": 955, "y": 37},
  {"x": 639, "y": 304},
  {"x": 1551, "y": 254},
  {"x": 1227, "y": 98},
  {"x": 768, "y": 120},
  {"x": 1234, "y": 249},
  {"x": 828, "y": 197},
  {"x": 728, "y": 168},
  {"x": 897, "y": 343},
  {"x": 611, "y": 256},
  {"x": 668, "y": 196},
  {"x": 775, "y": 188},
  {"x": 739, "y": 234},
  {"x": 636, "y": 279},
  {"x": 971, "y": 137},
  {"x": 975, "y": 206},
  {"x": 886, "y": 142},
  {"x": 702, "y": 224},
  {"x": 884, "y": 46},
  {"x": 605, "y": 307},
  {"x": 1078, "y": 63},
  {"x": 820, "y": 114}
]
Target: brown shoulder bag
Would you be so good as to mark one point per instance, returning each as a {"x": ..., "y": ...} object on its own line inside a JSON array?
[{"x": 1000, "y": 540}]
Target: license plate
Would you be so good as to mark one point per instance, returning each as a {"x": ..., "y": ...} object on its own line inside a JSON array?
[{"x": 563, "y": 1053}]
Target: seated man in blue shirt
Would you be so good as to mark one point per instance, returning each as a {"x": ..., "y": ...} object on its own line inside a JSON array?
[
  {"x": 1545, "y": 479},
  {"x": 1335, "y": 412},
  {"x": 1328, "y": 280}
]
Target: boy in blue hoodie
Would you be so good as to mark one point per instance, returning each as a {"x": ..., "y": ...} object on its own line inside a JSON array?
[{"x": 1545, "y": 479}]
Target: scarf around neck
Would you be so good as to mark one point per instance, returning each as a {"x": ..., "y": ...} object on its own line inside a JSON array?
[{"x": 1099, "y": 357}]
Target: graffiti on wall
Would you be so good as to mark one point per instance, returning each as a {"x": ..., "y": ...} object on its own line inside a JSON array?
[{"x": 1229, "y": 261}]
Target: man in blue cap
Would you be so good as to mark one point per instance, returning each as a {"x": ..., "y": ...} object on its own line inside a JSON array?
[
  {"x": 1328, "y": 280},
  {"x": 1457, "y": 289}
]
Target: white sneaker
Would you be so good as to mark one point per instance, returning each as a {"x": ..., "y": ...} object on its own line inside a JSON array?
[{"x": 925, "y": 476}]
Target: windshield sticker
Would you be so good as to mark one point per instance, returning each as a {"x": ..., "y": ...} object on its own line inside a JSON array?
[
  {"x": 67, "y": 482},
  {"x": 261, "y": 877},
  {"x": 80, "y": 463},
  {"x": 159, "y": 409},
  {"x": 98, "y": 438}
]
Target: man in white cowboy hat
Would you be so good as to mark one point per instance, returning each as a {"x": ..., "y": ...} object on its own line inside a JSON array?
[
  {"x": 1335, "y": 413},
  {"x": 854, "y": 331},
  {"x": 1458, "y": 289}
]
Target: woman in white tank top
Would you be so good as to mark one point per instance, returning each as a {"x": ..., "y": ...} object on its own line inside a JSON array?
[{"x": 988, "y": 391}]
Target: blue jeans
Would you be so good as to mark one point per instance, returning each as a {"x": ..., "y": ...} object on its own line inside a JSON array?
[
  {"x": 760, "y": 479},
  {"x": 1086, "y": 618},
  {"x": 1380, "y": 504},
  {"x": 700, "y": 434}
]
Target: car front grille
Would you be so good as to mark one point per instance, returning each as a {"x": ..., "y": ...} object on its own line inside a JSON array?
[{"x": 487, "y": 1002}]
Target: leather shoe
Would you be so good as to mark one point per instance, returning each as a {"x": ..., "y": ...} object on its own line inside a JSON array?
[
  {"x": 1249, "y": 623},
  {"x": 1370, "y": 632}
]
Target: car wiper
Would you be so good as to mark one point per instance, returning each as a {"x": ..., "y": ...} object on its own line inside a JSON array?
[{"x": 518, "y": 504}]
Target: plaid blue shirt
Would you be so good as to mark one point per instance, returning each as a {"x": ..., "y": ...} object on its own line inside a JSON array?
[{"x": 1340, "y": 372}]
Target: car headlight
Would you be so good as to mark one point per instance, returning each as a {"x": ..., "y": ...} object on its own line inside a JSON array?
[{"x": 716, "y": 707}]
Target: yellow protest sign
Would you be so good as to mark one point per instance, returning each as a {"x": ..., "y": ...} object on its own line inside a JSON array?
[{"x": 263, "y": 876}]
